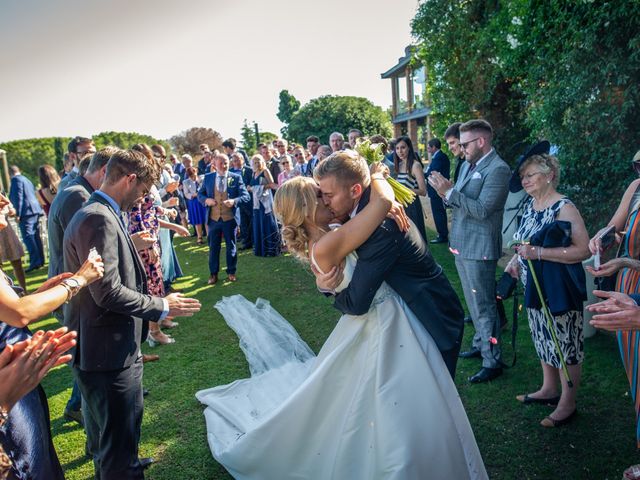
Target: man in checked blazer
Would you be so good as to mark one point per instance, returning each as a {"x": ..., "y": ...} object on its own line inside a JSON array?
[{"x": 477, "y": 200}]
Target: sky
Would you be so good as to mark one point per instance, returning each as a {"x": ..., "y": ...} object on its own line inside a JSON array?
[{"x": 159, "y": 67}]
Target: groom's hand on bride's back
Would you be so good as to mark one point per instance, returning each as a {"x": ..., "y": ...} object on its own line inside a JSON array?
[
  {"x": 328, "y": 282},
  {"x": 397, "y": 214}
]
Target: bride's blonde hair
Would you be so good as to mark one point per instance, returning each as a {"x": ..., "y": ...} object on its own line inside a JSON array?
[{"x": 296, "y": 200}]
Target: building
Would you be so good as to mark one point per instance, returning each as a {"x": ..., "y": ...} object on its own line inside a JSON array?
[{"x": 410, "y": 104}]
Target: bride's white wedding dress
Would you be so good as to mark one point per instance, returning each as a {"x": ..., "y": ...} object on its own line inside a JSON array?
[{"x": 376, "y": 403}]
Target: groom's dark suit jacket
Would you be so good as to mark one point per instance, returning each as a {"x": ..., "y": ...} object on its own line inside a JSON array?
[
  {"x": 405, "y": 263},
  {"x": 111, "y": 315}
]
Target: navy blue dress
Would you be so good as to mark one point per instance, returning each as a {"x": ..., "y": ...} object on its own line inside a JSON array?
[
  {"x": 266, "y": 236},
  {"x": 26, "y": 436}
]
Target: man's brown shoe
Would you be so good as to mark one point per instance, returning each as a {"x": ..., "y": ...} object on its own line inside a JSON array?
[
  {"x": 213, "y": 279},
  {"x": 232, "y": 277}
]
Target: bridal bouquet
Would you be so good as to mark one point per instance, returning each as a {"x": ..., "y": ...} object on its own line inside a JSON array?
[{"x": 372, "y": 153}]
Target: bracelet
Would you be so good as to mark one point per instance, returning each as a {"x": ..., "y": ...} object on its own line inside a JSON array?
[{"x": 68, "y": 289}]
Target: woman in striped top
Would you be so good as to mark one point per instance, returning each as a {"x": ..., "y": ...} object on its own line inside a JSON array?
[{"x": 408, "y": 171}]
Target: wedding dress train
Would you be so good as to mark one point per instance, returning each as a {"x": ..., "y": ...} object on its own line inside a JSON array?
[{"x": 376, "y": 403}]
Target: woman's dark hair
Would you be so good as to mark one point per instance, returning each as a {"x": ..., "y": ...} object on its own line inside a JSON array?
[
  {"x": 49, "y": 178},
  {"x": 411, "y": 157}
]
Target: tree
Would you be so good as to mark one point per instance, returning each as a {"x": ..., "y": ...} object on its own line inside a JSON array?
[
  {"x": 565, "y": 71},
  {"x": 327, "y": 114},
  {"x": 287, "y": 107},
  {"x": 248, "y": 136},
  {"x": 190, "y": 140}
]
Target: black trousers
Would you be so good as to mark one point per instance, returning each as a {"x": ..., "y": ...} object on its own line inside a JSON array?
[
  {"x": 439, "y": 216},
  {"x": 246, "y": 226},
  {"x": 113, "y": 405}
]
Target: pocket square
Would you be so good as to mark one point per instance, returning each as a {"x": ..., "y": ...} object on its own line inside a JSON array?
[{"x": 476, "y": 175}]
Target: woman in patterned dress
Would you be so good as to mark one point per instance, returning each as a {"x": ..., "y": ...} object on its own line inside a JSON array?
[
  {"x": 627, "y": 267},
  {"x": 540, "y": 175},
  {"x": 408, "y": 171},
  {"x": 266, "y": 236}
]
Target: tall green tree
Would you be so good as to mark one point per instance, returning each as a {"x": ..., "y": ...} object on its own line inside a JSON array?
[
  {"x": 287, "y": 107},
  {"x": 249, "y": 141},
  {"x": 327, "y": 114},
  {"x": 563, "y": 70}
]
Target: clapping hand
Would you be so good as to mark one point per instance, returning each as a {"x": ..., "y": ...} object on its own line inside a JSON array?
[
  {"x": 616, "y": 312},
  {"x": 25, "y": 363},
  {"x": 439, "y": 183},
  {"x": 143, "y": 240},
  {"x": 398, "y": 214}
]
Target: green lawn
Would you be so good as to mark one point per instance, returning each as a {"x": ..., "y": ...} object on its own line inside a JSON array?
[{"x": 600, "y": 444}]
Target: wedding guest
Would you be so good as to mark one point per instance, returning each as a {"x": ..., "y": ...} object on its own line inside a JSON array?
[
  {"x": 323, "y": 152},
  {"x": 266, "y": 237},
  {"x": 49, "y": 181},
  {"x": 222, "y": 192},
  {"x": 540, "y": 175},
  {"x": 299, "y": 156},
  {"x": 23, "y": 364},
  {"x": 407, "y": 169},
  {"x": 28, "y": 213},
  {"x": 626, "y": 268},
  {"x": 26, "y": 434},
  {"x": 78, "y": 148},
  {"x": 452, "y": 137},
  {"x": 477, "y": 201},
  {"x": 203, "y": 163},
  {"x": 67, "y": 165},
  {"x": 108, "y": 363},
  {"x": 287, "y": 172},
  {"x": 240, "y": 167},
  {"x": 196, "y": 212},
  {"x": 11, "y": 249},
  {"x": 66, "y": 203},
  {"x": 440, "y": 163},
  {"x": 353, "y": 135},
  {"x": 336, "y": 141},
  {"x": 313, "y": 143}
]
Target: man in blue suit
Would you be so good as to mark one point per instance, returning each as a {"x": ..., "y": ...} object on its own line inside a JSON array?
[
  {"x": 222, "y": 192},
  {"x": 439, "y": 163},
  {"x": 28, "y": 212}
]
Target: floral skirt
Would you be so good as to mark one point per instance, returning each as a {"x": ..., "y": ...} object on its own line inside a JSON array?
[{"x": 569, "y": 331}]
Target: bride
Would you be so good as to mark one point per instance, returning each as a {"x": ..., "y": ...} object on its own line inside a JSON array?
[{"x": 376, "y": 403}]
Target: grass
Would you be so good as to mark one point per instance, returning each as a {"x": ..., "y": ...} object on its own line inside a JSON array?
[{"x": 599, "y": 444}]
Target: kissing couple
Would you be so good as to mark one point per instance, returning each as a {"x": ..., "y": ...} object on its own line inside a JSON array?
[{"x": 379, "y": 400}]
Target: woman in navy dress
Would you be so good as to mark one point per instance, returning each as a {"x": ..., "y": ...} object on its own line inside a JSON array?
[
  {"x": 266, "y": 236},
  {"x": 25, "y": 437}
]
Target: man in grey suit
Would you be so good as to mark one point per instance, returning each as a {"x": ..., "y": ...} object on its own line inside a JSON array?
[
  {"x": 477, "y": 200},
  {"x": 112, "y": 316}
]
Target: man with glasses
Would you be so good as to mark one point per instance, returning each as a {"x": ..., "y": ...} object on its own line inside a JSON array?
[
  {"x": 78, "y": 148},
  {"x": 112, "y": 316},
  {"x": 477, "y": 200}
]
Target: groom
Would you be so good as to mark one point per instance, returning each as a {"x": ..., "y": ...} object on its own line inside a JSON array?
[{"x": 390, "y": 255}]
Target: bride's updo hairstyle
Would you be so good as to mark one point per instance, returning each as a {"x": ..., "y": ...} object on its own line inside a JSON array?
[{"x": 295, "y": 200}]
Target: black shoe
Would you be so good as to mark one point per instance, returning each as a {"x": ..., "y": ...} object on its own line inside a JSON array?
[
  {"x": 145, "y": 392},
  {"x": 73, "y": 416},
  {"x": 468, "y": 320},
  {"x": 485, "y": 374},
  {"x": 146, "y": 462},
  {"x": 473, "y": 353},
  {"x": 439, "y": 240}
]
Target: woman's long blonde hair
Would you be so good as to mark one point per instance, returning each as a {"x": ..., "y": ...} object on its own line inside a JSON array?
[{"x": 295, "y": 201}]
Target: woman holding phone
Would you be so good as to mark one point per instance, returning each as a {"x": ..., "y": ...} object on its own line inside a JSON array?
[{"x": 626, "y": 267}]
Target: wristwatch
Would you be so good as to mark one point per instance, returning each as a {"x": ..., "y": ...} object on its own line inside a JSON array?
[{"x": 72, "y": 285}]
